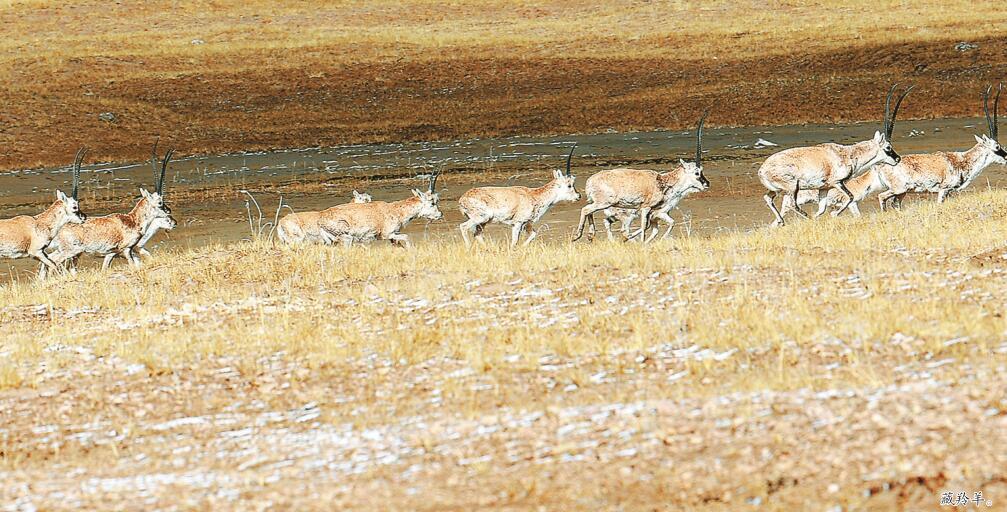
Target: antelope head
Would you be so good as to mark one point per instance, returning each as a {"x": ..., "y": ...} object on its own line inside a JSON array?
[
  {"x": 883, "y": 140},
  {"x": 691, "y": 178},
  {"x": 155, "y": 200},
  {"x": 989, "y": 140},
  {"x": 71, "y": 208},
  {"x": 359, "y": 197},
  {"x": 428, "y": 200},
  {"x": 563, "y": 182}
]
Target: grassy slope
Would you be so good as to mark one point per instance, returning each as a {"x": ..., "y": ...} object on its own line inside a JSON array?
[
  {"x": 799, "y": 283},
  {"x": 837, "y": 304},
  {"x": 297, "y": 75},
  {"x": 873, "y": 309}
]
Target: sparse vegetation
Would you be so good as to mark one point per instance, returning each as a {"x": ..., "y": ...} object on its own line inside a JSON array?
[{"x": 816, "y": 321}]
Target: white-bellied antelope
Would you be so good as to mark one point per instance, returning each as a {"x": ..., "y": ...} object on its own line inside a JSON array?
[
  {"x": 29, "y": 236},
  {"x": 944, "y": 172},
  {"x": 380, "y": 220},
  {"x": 158, "y": 224},
  {"x": 862, "y": 186},
  {"x": 518, "y": 207},
  {"x": 113, "y": 235},
  {"x": 644, "y": 191},
  {"x": 828, "y": 165},
  {"x": 302, "y": 227}
]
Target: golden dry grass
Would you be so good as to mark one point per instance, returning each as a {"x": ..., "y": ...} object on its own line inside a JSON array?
[
  {"x": 897, "y": 309},
  {"x": 789, "y": 328},
  {"x": 781, "y": 285}
]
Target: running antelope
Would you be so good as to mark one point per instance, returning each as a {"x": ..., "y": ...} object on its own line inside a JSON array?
[
  {"x": 828, "y": 165},
  {"x": 28, "y": 236},
  {"x": 643, "y": 191},
  {"x": 302, "y": 227},
  {"x": 518, "y": 207},
  {"x": 360, "y": 222},
  {"x": 945, "y": 172},
  {"x": 165, "y": 223},
  {"x": 862, "y": 186},
  {"x": 116, "y": 234}
]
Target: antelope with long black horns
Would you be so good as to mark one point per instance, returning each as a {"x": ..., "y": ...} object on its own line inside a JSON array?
[
  {"x": 517, "y": 207},
  {"x": 828, "y": 165},
  {"x": 29, "y": 236},
  {"x": 118, "y": 233},
  {"x": 364, "y": 222},
  {"x": 945, "y": 172},
  {"x": 644, "y": 191},
  {"x": 159, "y": 223}
]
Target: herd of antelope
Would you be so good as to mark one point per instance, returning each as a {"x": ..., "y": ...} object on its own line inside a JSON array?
[{"x": 833, "y": 175}]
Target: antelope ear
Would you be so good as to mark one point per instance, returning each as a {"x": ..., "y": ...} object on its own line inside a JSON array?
[
  {"x": 356, "y": 194},
  {"x": 557, "y": 174},
  {"x": 60, "y": 196},
  {"x": 681, "y": 162},
  {"x": 877, "y": 136},
  {"x": 416, "y": 192},
  {"x": 144, "y": 193},
  {"x": 979, "y": 139}
]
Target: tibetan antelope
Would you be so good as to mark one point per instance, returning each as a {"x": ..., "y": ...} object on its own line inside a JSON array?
[
  {"x": 643, "y": 191},
  {"x": 828, "y": 165},
  {"x": 29, "y": 236},
  {"x": 113, "y": 235},
  {"x": 302, "y": 227},
  {"x": 518, "y": 207},
  {"x": 945, "y": 172},
  {"x": 165, "y": 223},
  {"x": 363, "y": 222},
  {"x": 862, "y": 186}
]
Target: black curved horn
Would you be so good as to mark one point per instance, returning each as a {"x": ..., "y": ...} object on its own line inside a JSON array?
[
  {"x": 895, "y": 111},
  {"x": 699, "y": 139},
  {"x": 153, "y": 158},
  {"x": 433, "y": 181},
  {"x": 164, "y": 169},
  {"x": 996, "y": 108},
  {"x": 77, "y": 161},
  {"x": 888, "y": 110},
  {"x": 569, "y": 157}
]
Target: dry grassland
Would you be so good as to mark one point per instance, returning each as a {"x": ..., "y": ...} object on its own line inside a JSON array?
[{"x": 849, "y": 362}]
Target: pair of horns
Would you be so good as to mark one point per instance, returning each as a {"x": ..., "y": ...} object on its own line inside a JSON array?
[
  {"x": 992, "y": 122},
  {"x": 889, "y": 121},
  {"x": 433, "y": 181},
  {"x": 77, "y": 161},
  {"x": 159, "y": 176}
]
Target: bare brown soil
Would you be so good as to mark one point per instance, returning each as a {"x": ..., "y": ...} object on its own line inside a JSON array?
[{"x": 241, "y": 96}]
